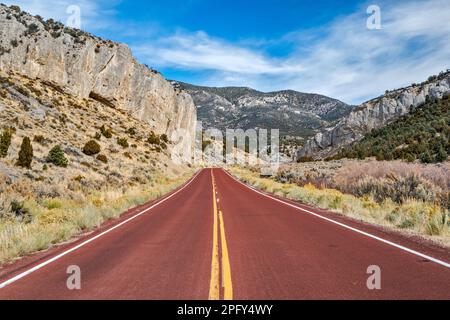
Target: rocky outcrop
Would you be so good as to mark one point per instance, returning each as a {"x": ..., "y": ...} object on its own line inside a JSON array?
[
  {"x": 294, "y": 113},
  {"x": 89, "y": 67},
  {"x": 373, "y": 114}
]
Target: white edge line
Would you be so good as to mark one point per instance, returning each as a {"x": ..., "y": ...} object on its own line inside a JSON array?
[
  {"x": 40, "y": 266},
  {"x": 440, "y": 262}
]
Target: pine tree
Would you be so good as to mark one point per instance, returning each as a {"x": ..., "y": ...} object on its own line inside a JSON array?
[
  {"x": 5, "y": 142},
  {"x": 25, "y": 153},
  {"x": 56, "y": 156},
  {"x": 426, "y": 157},
  {"x": 441, "y": 155}
]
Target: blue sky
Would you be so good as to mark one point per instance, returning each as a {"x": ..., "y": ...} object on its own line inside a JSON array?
[{"x": 319, "y": 46}]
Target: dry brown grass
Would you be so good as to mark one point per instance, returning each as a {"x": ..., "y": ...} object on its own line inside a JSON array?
[
  {"x": 415, "y": 216},
  {"x": 395, "y": 180},
  {"x": 47, "y": 204},
  {"x": 45, "y": 221},
  {"x": 352, "y": 171}
]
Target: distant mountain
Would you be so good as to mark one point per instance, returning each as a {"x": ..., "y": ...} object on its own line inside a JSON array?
[
  {"x": 373, "y": 115},
  {"x": 294, "y": 113}
]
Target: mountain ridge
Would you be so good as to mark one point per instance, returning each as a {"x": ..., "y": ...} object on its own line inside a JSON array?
[
  {"x": 373, "y": 114},
  {"x": 294, "y": 113}
]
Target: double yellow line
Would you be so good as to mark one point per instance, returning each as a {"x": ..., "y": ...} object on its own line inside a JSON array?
[{"x": 219, "y": 226}]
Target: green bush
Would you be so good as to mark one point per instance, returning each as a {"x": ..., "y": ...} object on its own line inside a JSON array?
[
  {"x": 15, "y": 8},
  {"x": 32, "y": 29},
  {"x": 165, "y": 138},
  {"x": 154, "y": 139},
  {"x": 91, "y": 148},
  {"x": 5, "y": 142},
  {"x": 56, "y": 156},
  {"x": 106, "y": 132},
  {"x": 128, "y": 155},
  {"x": 132, "y": 131},
  {"x": 25, "y": 154},
  {"x": 441, "y": 155},
  {"x": 39, "y": 139},
  {"x": 102, "y": 158},
  {"x": 123, "y": 142},
  {"x": 3, "y": 93},
  {"x": 18, "y": 209}
]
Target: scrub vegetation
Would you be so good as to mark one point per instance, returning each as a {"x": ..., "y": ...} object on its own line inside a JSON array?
[
  {"x": 38, "y": 220},
  {"x": 407, "y": 197},
  {"x": 63, "y": 166},
  {"x": 422, "y": 135}
]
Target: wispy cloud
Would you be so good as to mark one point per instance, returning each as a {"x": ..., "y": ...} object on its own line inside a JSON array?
[
  {"x": 202, "y": 52},
  {"x": 344, "y": 59},
  {"x": 354, "y": 63}
]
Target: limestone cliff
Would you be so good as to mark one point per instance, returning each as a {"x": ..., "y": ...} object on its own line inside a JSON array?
[
  {"x": 374, "y": 114},
  {"x": 86, "y": 66}
]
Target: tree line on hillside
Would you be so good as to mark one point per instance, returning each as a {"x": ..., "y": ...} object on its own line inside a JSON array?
[{"x": 423, "y": 134}]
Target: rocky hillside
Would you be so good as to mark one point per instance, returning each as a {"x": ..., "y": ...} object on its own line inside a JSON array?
[
  {"x": 294, "y": 113},
  {"x": 87, "y": 67},
  {"x": 67, "y": 165},
  {"x": 374, "y": 114},
  {"x": 102, "y": 147},
  {"x": 423, "y": 134}
]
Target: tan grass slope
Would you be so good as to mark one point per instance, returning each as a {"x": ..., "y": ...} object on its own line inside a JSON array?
[{"x": 71, "y": 191}]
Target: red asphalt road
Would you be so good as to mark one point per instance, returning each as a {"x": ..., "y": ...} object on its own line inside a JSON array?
[{"x": 275, "y": 252}]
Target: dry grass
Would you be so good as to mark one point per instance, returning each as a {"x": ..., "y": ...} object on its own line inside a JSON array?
[
  {"x": 419, "y": 217},
  {"x": 395, "y": 180},
  {"x": 48, "y": 204},
  {"x": 49, "y": 221},
  {"x": 352, "y": 171}
]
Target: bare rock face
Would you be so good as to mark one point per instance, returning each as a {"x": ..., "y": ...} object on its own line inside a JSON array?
[
  {"x": 89, "y": 67},
  {"x": 373, "y": 114}
]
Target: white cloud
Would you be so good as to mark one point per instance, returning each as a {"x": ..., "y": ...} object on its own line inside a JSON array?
[
  {"x": 343, "y": 60},
  {"x": 354, "y": 63},
  {"x": 200, "y": 51}
]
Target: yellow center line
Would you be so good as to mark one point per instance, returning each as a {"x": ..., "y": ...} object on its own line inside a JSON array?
[
  {"x": 226, "y": 269},
  {"x": 219, "y": 226},
  {"x": 214, "y": 291}
]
